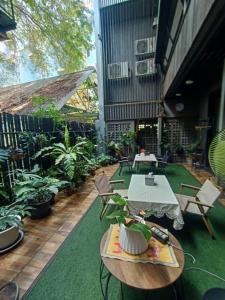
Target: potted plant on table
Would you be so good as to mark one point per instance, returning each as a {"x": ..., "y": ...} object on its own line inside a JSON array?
[
  {"x": 134, "y": 233},
  {"x": 10, "y": 223},
  {"x": 37, "y": 192}
]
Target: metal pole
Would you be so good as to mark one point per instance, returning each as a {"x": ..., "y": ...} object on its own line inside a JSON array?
[{"x": 222, "y": 100}]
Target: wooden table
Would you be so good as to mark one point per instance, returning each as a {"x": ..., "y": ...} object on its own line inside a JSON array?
[{"x": 144, "y": 276}]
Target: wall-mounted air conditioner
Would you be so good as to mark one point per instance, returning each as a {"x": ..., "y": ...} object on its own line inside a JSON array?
[
  {"x": 145, "y": 67},
  {"x": 118, "y": 70},
  {"x": 145, "y": 46}
]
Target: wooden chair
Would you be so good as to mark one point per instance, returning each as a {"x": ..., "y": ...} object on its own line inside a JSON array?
[
  {"x": 201, "y": 203},
  {"x": 105, "y": 190}
]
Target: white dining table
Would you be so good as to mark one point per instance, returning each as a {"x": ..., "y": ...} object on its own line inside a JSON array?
[
  {"x": 159, "y": 198},
  {"x": 144, "y": 158}
]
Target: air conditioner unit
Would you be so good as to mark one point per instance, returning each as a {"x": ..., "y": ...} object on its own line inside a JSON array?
[
  {"x": 145, "y": 46},
  {"x": 118, "y": 70},
  {"x": 145, "y": 67}
]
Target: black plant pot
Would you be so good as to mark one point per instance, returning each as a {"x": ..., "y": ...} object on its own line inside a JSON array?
[
  {"x": 52, "y": 199},
  {"x": 40, "y": 210}
]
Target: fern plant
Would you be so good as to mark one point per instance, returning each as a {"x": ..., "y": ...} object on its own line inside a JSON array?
[{"x": 69, "y": 159}]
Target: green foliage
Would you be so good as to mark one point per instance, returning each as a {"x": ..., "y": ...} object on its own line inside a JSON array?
[
  {"x": 11, "y": 215},
  {"x": 4, "y": 155},
  {"x": 123, "y": 213},
  {"x": 32, "y": 188},
  {"x": 46, "y": 108},
  {"x": 70, "y": 159},
  {"x": 128, "y": 138},
  {"x": 56, "y": 34},
  {"x": 193, "y": 147},
  {"x": 115, "y": 149},
  {"x": 105, "y": 160}
]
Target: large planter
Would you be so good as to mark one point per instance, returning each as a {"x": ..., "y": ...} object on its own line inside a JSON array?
[
  {"x": 8, "y": 237},
  {"x": 40, "y": 210},
  {"x": 131, "y": 241}
]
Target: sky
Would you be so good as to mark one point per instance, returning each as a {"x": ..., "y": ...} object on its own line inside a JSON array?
[{"x": 25, "y": 72}]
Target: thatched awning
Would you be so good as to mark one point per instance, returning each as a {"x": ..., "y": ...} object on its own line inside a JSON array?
[{"x": 17, "y": 99}]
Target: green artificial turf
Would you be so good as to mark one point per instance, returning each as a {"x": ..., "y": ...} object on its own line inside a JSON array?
[{"x": 73, "y": 273}]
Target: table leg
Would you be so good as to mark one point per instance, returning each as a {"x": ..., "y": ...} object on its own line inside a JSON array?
[
  {"x": 103, "y": 277},
  {"x": 178, "y": 289},
  {"x": 121, "y": 290}
]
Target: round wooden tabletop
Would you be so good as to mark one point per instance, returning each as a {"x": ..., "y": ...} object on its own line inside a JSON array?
[{"x": 144, "y": 276}]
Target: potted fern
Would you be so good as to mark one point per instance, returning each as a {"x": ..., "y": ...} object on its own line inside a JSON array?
[
  {"x": 10, "y": 223},
  {"x": 134, "y": 233}
]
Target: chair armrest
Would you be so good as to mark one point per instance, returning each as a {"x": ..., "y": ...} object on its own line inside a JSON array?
[
  {"x": 182, "y": 185},
  {"x": 107, "y": 194},
  {"x": 116, "y": 181},
  {"x": 197, "y": 203},
  {"x": 200, "y": 203},
  {"x": 124, "y": 160}
]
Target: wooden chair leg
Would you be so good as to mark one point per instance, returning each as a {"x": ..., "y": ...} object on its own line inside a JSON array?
[
  {"x": 120, "y": 170},
  {"x": 208, "y": 226},
  {"x": 103, "y": 210}
]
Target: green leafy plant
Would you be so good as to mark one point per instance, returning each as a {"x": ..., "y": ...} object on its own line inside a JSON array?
[
  {"x": 70, "y": 160},
  {"x": 122, "y": 213},
  {"x": 32, "y": 188},
  {"x": 46, "y": 108},
  {"x": 193, "y": 147},
  {"x": 105, "y": 160},
  {"x": 4, "y": 155},
  {"x": 12, "y": 215},
  {"x": 128, "y": 140},
  {"x": 179, "y": 149},
  {"x": 115, "y": 149}
]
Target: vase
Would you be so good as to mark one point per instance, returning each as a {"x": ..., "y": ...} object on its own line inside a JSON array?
[{"x": 132, "y": 242}]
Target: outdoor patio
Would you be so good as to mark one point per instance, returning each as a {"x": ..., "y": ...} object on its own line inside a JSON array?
[
  {"x": 67, "y": 271},
  {"x": 112, "y": 147}
]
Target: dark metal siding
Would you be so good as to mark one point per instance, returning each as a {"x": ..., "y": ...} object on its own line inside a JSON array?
[
  {"x": 121, "y": 26},
  {"x": 132, "y": 111}
]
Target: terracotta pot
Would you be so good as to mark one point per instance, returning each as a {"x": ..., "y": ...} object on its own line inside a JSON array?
[
  {"x": 8, "y": 237},
  {"x": 131, "y": 241}
]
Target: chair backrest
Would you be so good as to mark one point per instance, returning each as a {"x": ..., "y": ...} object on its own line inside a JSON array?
[
  {"x": 208, "y": 193},
  {"x": 102, "y": 183}
]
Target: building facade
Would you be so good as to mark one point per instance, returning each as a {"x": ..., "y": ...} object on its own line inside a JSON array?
[{"x": 161, "y": 69}]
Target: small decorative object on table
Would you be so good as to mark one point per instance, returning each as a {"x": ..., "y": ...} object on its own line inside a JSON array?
[{"x": 150, "y": 179}]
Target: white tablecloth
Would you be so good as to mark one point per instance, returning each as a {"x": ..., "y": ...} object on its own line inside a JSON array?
[
  {"x": 159, "y": 198},
  {"x": 144, "y": 158}
]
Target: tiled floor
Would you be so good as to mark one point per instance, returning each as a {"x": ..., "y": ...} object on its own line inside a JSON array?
[{"x": 43, "y": 237}]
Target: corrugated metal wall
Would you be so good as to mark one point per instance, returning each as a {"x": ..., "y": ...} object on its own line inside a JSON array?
[
  {"x": 104, "y": 3},
  {"x": 121, "y": 26},
  {"x": 132, "y": 111}
]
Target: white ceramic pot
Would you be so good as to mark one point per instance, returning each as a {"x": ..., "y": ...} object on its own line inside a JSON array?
[
  {"x": 131, "y": 241},
  {"x": 8, "y": 237}
]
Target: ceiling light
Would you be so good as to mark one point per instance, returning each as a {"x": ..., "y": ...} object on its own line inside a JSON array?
[
  {"x": 178, "y": 94},
  {"x": 189, "y": 81}
]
